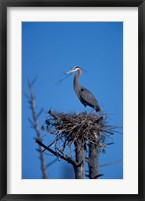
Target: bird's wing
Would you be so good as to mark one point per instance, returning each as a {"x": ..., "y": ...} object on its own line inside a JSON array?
[{"x": 88, "y": 98}]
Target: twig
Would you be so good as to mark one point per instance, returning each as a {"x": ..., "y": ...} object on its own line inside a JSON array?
[
  {"x": 53, "y": 115},
  {"x": 51, "y": 163}
]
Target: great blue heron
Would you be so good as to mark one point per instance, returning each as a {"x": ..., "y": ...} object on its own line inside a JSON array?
[{"x": 84, "y": 95}]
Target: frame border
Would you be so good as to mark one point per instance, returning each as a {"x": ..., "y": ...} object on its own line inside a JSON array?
[{"x": 3, "y": 94}]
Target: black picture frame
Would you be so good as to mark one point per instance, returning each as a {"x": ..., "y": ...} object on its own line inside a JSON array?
[{"x": 4, "y": 4}]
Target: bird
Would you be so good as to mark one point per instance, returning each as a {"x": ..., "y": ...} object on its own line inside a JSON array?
[{"x": 85, "y": 96}]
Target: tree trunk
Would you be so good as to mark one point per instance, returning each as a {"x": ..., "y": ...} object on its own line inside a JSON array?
[
  {"x": 93, "y": 161},
  {"x": 80, "y": 159}
]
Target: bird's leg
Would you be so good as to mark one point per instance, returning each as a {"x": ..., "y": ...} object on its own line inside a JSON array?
[
  {"x": 85, "y": 109},
  {"x": 91, "y": 111}
]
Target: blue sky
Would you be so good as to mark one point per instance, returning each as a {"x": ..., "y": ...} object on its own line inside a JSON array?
[{"x": 49, "y": 49}]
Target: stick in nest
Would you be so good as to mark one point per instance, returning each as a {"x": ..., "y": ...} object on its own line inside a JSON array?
[{"x": 80, "y": 127}]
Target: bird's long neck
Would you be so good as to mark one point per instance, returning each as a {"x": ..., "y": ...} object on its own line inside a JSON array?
[{"x": 76, "y": 82}]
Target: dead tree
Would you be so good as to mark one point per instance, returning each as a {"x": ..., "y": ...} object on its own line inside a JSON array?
[{"x": 34, "y": 123}]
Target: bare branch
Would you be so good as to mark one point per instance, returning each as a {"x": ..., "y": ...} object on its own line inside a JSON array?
[
  {"x": 64, "y": 156},
  {"x": 97, "y": 176},
  {"x": 52, "y": 162},
  {"x": 40, "y": 112},
  {"x": 111, "y": 163}
]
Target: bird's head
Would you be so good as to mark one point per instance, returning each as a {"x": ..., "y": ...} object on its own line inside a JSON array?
[{"x": 75, "y": 68}]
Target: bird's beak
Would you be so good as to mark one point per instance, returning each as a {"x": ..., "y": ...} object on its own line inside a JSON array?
[{"x": 70, "y": 71}]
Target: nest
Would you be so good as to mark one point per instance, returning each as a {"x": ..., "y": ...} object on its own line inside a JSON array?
[{"x": 77, "y": 128}]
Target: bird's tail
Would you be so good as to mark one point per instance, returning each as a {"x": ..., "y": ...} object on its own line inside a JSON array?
[{"x": 98, "y": 109}]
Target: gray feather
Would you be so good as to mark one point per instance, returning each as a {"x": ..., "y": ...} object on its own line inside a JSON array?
[{"x": 87, "y": 98}]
